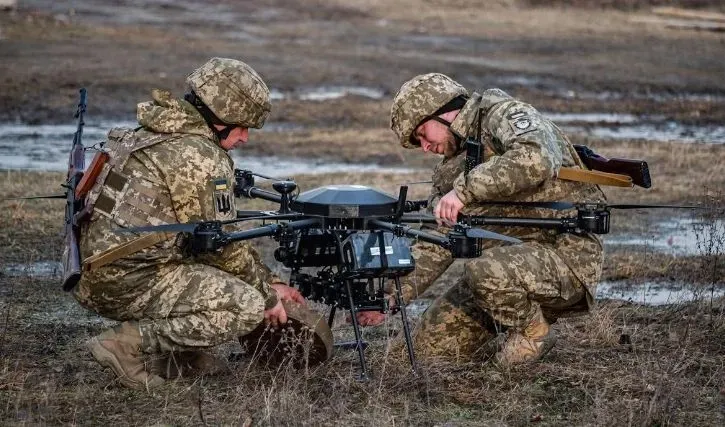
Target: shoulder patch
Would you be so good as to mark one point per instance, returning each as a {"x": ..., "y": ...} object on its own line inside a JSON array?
[
  {"x": 521, "y": 123},
  {"x": 223, "y": 198}
]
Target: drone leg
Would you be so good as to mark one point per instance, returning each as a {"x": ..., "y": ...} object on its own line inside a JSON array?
[
  {"x": 332, "y": 316},
  {"x": 406, "y": 326},
  {"x": 358, "y": 336}
]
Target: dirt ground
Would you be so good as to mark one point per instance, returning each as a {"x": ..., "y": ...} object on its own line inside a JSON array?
[{"x": 624, "y": 365}]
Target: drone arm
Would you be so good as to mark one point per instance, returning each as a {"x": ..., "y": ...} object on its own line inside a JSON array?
[
  {"x": 404, "y": 230},
  {"x": 555, "y": 223},
  {"x": 254, "y": 192},
  {"x": 561, "y": 224},
  {"x": 269, "y": 230},
  {"x": 266, "y": 230}
]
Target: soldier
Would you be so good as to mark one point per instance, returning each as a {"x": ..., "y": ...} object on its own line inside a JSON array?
[
  {"x": 175, "y": 168},
  {"x": 525, "y": 287}
]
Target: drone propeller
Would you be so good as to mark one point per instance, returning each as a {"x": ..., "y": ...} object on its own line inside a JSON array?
[
  {"x": 569, "y": 205},
  {"x": 188, "y": 227},
  {"x": 475, "y": 233},
  {"x": 52, "y": 196},
  {"x": 479, "y": 233},
  {"x": 271, "y": 178},
  {"x": 261, "y": 215},
  {"x": 634, "y": 206}
]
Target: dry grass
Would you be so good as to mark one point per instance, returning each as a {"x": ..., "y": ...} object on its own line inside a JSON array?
[{"x": 621, "y": 365}]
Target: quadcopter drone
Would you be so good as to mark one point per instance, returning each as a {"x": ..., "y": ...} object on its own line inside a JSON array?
[{"x": 356, "y": 238}]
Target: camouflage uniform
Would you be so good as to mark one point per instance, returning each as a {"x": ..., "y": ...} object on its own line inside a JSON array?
[
  {"x": 180, "y": 175},
  {"x": 550, "y": 272}
]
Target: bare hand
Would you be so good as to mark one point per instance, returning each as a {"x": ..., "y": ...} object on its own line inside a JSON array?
[
  {"x": 448, "y": 208},
  {"x": 287, "y": 293},
  {"x": 276, "y": 315},
  {"x": 373, "y": 318},
  {"x": 370, "y": 318}
]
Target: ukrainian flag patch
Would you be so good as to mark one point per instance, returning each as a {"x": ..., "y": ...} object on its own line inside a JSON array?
[{"x": 221, "y": 184}]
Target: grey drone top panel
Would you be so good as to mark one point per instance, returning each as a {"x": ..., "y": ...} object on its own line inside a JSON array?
[{"x": 345, "y": 201}]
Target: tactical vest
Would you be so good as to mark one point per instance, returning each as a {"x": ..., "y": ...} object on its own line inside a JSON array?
[{"x": 127, "y": 200}]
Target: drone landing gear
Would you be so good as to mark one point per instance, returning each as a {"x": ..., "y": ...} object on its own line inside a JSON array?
[{"x": 361, "y": 345}]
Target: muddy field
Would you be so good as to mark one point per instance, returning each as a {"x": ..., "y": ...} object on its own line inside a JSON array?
[{"x": 653, "y": 353}]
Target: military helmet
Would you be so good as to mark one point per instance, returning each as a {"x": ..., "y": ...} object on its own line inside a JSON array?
[
  {"x": 233, "y": 91},
  {"x": 419, "y": 98}
]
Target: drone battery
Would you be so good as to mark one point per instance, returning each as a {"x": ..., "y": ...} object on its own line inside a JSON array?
[{"x": 377, "y": 254}]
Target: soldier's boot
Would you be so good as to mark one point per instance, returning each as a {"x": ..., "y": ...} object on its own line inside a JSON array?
[
  {"x": 120, "y": 349},
  {"x": 530, "y": 344},
  {"x": 187, "y": 364}
]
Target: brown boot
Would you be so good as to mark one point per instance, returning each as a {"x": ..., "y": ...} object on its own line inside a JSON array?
[
  {"x": 188, "y": 364},
  {"x": 120, "y": 349},
  {"x": 528, "y": 345}
]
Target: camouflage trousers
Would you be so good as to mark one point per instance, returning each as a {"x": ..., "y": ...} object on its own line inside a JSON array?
[
  {"x": 455, "y": 328},
  {"x": 178, "y": 306},
  {"x": 512, "y": 283}
]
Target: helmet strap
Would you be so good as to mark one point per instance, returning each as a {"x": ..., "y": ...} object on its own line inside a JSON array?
[
  {"x": 447, "y": 124},
  {"x": 209, "y": 117}
]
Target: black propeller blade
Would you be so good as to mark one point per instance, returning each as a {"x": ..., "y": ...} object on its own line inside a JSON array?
[
  {"x": 475, "y": 233},
  {"x": 559, "y": 206},
  {"x": 164, "y": 228},
  {"x": 569, "y": 205},
  {"x": 635, "y": 206},
  {"x": 263, "y": 216},
  {"x": 52, "y": 196},
  {"x": 479, "y": 233},
  {"x": 190, "y": 227}
]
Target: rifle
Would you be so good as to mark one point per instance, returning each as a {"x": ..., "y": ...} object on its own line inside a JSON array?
[
  {"x": 635, "y": 169},
  {"x": 76, "y": 165}
]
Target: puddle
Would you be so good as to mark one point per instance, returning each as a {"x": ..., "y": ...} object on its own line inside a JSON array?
[
  {"x": 678, "y": 237},
  {"x": 629, "y": 126},
  {"x": 667, "y": 131},
  {"x": 433, "y": 41},
  {"x": 659, "y": 97},
  {"x": 326, "y": 93},
  {"x": 656, "y": 293},
  {"x": 591, "y": 118},
  {"x": 38, "y": 270},
  {"x": 45, "y": 147},
  {"x": 291, "y": 167}
]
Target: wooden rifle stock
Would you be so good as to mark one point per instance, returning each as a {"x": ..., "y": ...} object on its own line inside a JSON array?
[{"x": 635, "y": 169}]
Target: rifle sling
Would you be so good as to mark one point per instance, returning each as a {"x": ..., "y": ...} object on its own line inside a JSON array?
[
  {"x": 99, "y": 260},
  {"x": 595, "y": 177}
]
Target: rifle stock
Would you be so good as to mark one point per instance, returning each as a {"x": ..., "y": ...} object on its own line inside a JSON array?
[
  {"x": 638, "y": 170},
  {"x": 71, "y": 262}
]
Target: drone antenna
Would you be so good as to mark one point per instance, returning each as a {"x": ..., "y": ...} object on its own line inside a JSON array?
[
  {"x": 271, "y": 178},
  {"x": 284, "y": 188}
]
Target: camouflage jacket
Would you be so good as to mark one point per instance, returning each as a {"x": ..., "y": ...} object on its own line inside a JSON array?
[
  {"x": 523, "y": 151},
  {"x": 196, "y": 177}
]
